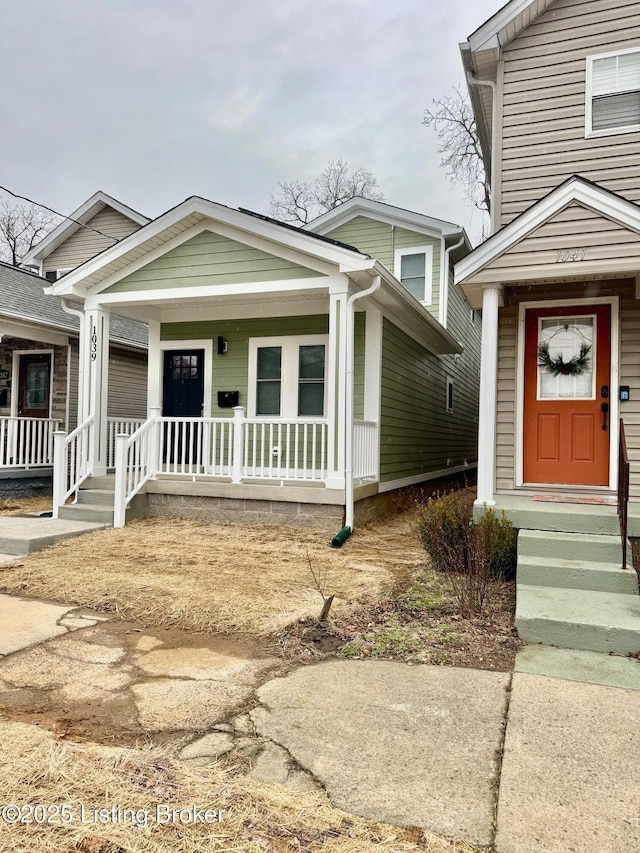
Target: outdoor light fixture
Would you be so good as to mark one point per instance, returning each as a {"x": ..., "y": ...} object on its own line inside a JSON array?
[{"x": 222, "y": 345}]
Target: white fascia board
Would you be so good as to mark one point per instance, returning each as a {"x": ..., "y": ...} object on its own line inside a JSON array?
[
  {"x": 82, "y": 214},
  {"x": 603, "y": 202},
  {"x": 486, "y": 36},
  {"x": 34, "y": 332},
  {"x": 382, "y": 212},
  {"x": 243, "y": 222}
]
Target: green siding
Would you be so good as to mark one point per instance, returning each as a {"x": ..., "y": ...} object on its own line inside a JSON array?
[
  {"x": 381, "y": 240},
  {"x": 230, "y": 371},
  {"x": 358, "y": 365},
  {"x": 208, "y": 259},
  {"x": 417, "y": 435}
]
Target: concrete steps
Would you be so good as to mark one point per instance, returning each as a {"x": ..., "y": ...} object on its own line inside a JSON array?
[
  {"x": 95, "y": 503},
  {"x": 572, "y": 591}
]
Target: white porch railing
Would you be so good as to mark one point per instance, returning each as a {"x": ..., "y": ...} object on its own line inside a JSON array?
[
  {"x": 119, "y": 426},
  {"x": 365, "y": 449},
  {"x": 284, "y": 450},
  {"x": 136, "y": 462},
  {"x": 26, "y": 442},
  {"x": 191, "y": 446},
  {"x": 71, "y": 454}
]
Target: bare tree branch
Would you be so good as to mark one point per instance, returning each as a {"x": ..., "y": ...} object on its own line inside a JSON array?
[
  {"x": 21, "y": 227},
  {"x": 299, "y": 202},
  {"x": 454, "y": 123}
]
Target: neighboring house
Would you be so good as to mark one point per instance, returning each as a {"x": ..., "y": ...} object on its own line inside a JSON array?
[
  {"x": 555, "y": 88},
  {"x": 559, "y": 119},
  {"x": 39, "y": 377},
  {"x": 291, "y": 375}
]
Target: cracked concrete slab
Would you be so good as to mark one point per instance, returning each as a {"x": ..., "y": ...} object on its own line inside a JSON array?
[
  {"x": 570, "y": 775},
  {"x": 406, "y": 745},
  {"x": 26, "y": 622}
]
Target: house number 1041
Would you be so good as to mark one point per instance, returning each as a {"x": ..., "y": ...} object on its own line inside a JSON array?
[
  {"x": 94, "y": 345},
  {"x": 565, "y": 255}
]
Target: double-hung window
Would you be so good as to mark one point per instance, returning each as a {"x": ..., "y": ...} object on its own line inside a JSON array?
[
  {"x": 613, "y": 93},
  {"x": 287, "y": 377},
  {"x": 414, "y": 269}
]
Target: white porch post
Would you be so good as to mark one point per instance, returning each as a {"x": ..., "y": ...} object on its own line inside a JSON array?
[
  {"x": 96, "y": 355},
  {"x": 154, "y": 368},
  {"x": 491, "y": 301},
  {"x": 336, "y": 385}
]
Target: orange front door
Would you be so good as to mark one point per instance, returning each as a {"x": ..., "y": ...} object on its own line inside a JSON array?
[{"x": 567, "y": 372}]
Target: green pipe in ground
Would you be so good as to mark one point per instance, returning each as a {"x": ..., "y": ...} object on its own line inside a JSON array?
[{"x": 340, "y": 538}]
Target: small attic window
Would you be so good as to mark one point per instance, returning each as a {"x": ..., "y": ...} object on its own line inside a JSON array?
[
  {"x": 413, "y": 266},
  {"x": 613, "y": 93},
  {"x": 51, "y": 275}
]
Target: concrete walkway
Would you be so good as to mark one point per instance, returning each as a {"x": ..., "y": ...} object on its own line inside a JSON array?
[
  {"x": 544, "y": 761},
  {"x": 21, "y": 535}
]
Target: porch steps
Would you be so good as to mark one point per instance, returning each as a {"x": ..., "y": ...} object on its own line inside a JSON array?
[
  {"x": 526, "y": 513},
  {"x": 95, "y": 503},
  {"x": 573, "y": 593}
]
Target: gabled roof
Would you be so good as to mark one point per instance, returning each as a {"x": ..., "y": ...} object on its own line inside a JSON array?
[
  {"x": 22, "y": 299},
  {"x": 383, "y": 213},
  {"x": 574, "y": 189},
  {"x": 195, "y": 211},
  {"x": 481, "y": 53},
  {"x": 82, "y": 214}
]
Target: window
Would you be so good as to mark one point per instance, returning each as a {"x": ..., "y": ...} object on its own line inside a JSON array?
[
  {"x": 449, "y": 404},
  {"x": 613, "y": 93},
  {"x": 54, "y": 275},
  {"x": 414, "y": 269},
  {"x": 287, "y": 377}
]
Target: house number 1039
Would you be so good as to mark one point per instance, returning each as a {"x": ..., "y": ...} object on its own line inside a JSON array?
[
  {"x": 94, "y": 345},
  {"x": 565, "y": 255}
]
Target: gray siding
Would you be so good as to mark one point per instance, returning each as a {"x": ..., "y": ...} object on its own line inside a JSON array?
[
  {"x": 127, "y": 395},
  {"x": 543, "y": 92},
  {"x": 418, "y": 435},
  {"x": 84, "y": 243}
]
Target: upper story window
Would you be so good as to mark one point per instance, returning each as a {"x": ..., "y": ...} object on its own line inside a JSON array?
[
  {"x": 414, "y": 268},
  {"x": 613, "y": 93}
]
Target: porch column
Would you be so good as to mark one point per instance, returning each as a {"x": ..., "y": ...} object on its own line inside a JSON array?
[
  {"x": 96, "y": 356},
  {"x": 336, "y": 397},
  {"x": 373, "y": 374},
  {"x": 491, "y": 301},
  {"x": 154, "y": 368}
]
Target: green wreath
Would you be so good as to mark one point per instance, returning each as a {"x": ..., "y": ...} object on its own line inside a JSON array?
[{"x": 557, "y": 366}]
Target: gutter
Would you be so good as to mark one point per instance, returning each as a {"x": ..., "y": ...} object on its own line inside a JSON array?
[
  {"x": 76, "y": 312},
  {"x": 473, "y": 81},
  {"x": 445, "y": 278}
]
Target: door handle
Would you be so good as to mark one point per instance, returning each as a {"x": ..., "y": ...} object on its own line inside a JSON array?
[{"x": 604, "y": 408}]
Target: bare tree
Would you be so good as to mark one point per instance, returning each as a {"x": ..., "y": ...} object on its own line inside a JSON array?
[
  {"x": 452, "y": 119},
  {"x": 299, "y": 202},
  {"x": 21, "y": 227}
]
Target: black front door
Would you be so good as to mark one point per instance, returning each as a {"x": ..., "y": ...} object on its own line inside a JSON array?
[
  {"x": 183, "y": 383},
  {"x": 182, "y": 397}
]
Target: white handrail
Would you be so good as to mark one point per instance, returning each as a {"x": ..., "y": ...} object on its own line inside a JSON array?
[
  {"x": 136, "y": 461},
  {"x": 71, "y": 465},
  {"x": 26, "y": 442},
  {"x": 119, "y": 426}
]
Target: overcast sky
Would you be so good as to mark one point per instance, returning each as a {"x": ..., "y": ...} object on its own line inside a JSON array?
[{"x": 156, "y": 100}]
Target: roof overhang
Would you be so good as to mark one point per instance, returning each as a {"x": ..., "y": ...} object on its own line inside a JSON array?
[
  {"x": 382, "y": 212},
  {"x": 81, "y": 215},
  {"x": 575, "y": 189}
]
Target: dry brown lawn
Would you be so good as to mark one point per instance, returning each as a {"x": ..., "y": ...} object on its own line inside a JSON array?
[
  {"x": 25, "y": 506},
  {"x": 214, "y": 577},
  {"x": 256, "y": 817}
]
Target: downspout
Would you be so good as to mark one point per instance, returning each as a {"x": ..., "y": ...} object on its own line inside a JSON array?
[
  {"x": 344, "y": 534},
  {"x": 445, "y": 289},
  {"x": 473, "y": 81},
  {"x": 76, "y": 312}
]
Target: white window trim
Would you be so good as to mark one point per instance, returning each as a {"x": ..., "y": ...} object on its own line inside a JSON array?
[
  {"x": 15, "y": 377},
  {"x": 450, "y": 385},
  {"x": 428, "y": 268},
  {"x": 289, "y": 376},
  {"x": 614, "y": 131}
]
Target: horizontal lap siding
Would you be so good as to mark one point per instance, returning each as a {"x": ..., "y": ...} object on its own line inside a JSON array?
[
  {"x": 417, "y": 435},
  {"x": 208, "y": 259},
  {"x": 230, "y": 371},
  {"x": 127, "y": 396},
  {"x": 543, "y": 104},
  {"x": 380, "y": 241},
  {"x": 85, "y": 243},
  {"x": 507, "y": 355}
]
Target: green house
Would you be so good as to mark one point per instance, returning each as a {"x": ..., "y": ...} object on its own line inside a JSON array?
[{"x": 295, "y": 375}]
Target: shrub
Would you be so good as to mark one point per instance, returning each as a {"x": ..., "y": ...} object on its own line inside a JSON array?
[{"x": 469, "y": 555}]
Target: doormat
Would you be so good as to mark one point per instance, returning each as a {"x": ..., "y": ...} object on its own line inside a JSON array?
[{"x": 560, "y": 499}]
